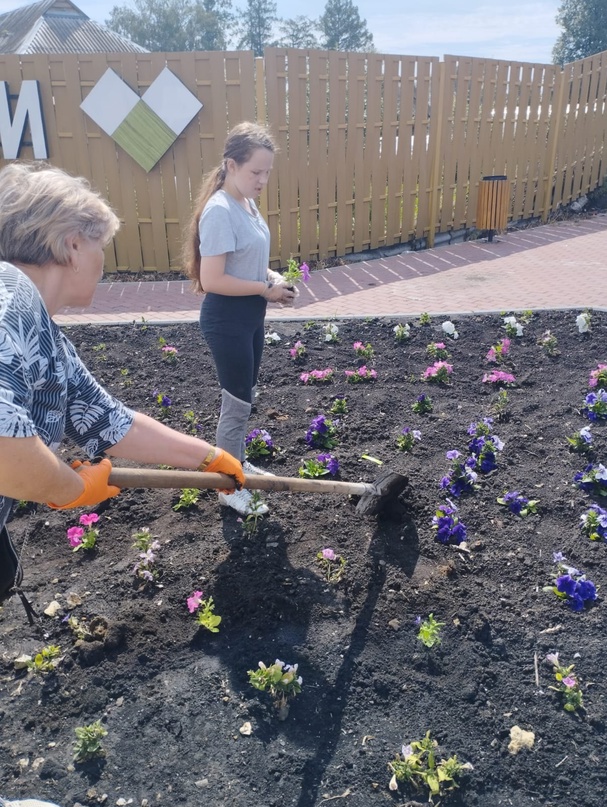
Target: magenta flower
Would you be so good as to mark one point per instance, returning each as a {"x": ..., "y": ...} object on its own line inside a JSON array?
[
  {"x": 305, "y": 272},
  {"x": 499, "y": 377},
  {"x": 569, "y": 681},
  {"x": 600, "y": 374},
  {"x": 328, "y": 554},
  {"x": 87, "y": 520},
  {"x": 74, "y": 536},
  {"x": 194, "y": 601}
]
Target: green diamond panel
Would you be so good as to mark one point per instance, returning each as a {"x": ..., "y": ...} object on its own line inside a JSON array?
[{"x": 144, "y": 136}]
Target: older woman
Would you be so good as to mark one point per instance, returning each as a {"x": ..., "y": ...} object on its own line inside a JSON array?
[{"x": 53, "y": 229}]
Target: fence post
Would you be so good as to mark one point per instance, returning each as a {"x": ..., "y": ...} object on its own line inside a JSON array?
[
  {"x": 549, "y": 172},
  {"x": 436, "y": 130},
  {"x": 260, "y": 99}
]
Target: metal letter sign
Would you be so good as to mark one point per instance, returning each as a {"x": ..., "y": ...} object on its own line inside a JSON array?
[{"x": 11, "y": 132}]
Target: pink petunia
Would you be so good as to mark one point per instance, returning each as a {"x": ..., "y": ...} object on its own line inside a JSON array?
[
  {"x": 194, "y": 601},
  {"x": 328, "y": 554},
  {"x": 305, "y": 271},
  {"x": 74, "y": 536},
  {"x": 491, "y": 355},
  {"x": 569, "y": 681},
  {"x": 87, "y": 520},
  {"x": 498, "y": 376}
]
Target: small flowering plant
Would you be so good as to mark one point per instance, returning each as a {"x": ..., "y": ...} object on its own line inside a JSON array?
[
  {"x": 317, "y": 376},
  {"x": 422, "y": 405},
  {"x": 583, "y": 322},
  {"x": 518, "y": 504},
  {"x": 363, "y": 374},
  {"x": 593, "y": 479},
  {"x": 402, "y": 332},
  {"x": 339, "y": 406},
  {"x": 571, "y": 585},
  {"x": 272, "y": 338},
  {"x": 418, "y": 765},
  {"x": 549, "y": 342},
  {"x": 598, "y": 376},
  {"x": 279, "y": 679},
  {"x": 258, "y": 443},
  {"x": 322, "y": 433},
  {"x": 437, "y": 350},
  {"x": 332, "y": 564},
  {"x": 204, "y": 610},
  {"x": 298, "y": 351},
  {"x": 424, "y": 318},
  {"x": 512, "y": 326},
  {"x": 483, "y": 446},
  {"x": 567, "y": 684},
  {"x": 81, "y": 538},
  {"x": 169, "y": 353},
  {"x": 449, "y": 328},
  {"x": 595, "y": 405},
  {"x": 148, "y": 547},
  {"x": 429, "y": 631},
  {"x": 498, "y": 352},
  {"x": 163, "y": 401},
  {"x": 330, "y": 332},
  {"x": 594, "y": 523},
  {"x": 499, "y": 377},
  {"x": 581, "y": 441},
  {"x": 461, "y": 478},
  {"x": 295, "y": 272},
  {"x": 438, "y": 372},
  {"x": 449, "y": 529},
  {"x": 407, "y": 438},
  {"x": 364, "y": 351},
  {"x": 321, "y": 465}
]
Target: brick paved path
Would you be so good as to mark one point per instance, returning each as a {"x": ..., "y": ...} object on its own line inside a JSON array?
[{"x": 561, "y": 265}]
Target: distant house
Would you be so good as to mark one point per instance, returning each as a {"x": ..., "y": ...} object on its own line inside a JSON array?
[{"x": 58, "y": 26}]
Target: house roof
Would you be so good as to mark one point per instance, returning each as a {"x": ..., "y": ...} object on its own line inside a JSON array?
[{"x": 58, "y": 26}]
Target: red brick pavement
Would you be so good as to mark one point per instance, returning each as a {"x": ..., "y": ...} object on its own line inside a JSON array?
[{"x": 561, "y": 265}]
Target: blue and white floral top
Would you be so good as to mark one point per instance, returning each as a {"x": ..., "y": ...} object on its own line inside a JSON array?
[{"x": 45, "y": 389}]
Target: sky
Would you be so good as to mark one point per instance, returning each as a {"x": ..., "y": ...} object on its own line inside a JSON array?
[{"x": 513, "y": 30}]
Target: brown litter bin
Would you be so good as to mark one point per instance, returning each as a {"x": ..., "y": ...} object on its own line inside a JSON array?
[{"x": 492, "y": 206}]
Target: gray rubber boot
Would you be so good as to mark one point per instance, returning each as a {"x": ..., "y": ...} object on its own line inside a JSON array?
[{"x": 232, "y": 426}]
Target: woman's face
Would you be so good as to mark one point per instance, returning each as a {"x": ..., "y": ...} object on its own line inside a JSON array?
[{"x": 250, "y": 178}]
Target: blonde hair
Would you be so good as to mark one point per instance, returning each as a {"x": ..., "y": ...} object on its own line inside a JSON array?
[
  {"x": 42, "y": 207},
  {"x": 241, "y": 142}
]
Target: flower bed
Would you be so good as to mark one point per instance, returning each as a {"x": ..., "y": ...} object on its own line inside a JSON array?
[{"x": 184, "y": 724}]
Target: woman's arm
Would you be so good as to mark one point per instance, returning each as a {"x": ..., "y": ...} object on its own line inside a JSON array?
[
  {"x": 214, "y": 279},
  {"x": 29, "y": 471}
]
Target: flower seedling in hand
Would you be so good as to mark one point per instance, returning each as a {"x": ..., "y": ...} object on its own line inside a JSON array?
[
  {"x": 295, "y": 273},
  {"x": 46, "y": 660},
  {"x": 81, "y": 538},
  {"x": 339, "y": 407},
  {"x": 363, "y": 373},
  {"x": 423, "y": 405},
  {"x": 499, "y": 351},
  {"x": 88, "y": 742},
  {"x": 330, "y": 332},
  {"x": 449, "y": 529},
  {"x": 148, "y": 547},
  {"x": 581, "y": 441},
  {"x": 298, "y": 351},
  {"x": 429, "y": 631},
  {"x": 449, "y": 328},
  {"x": 594, "y": 523},
  {"x": 595, "y": 405},
  {"x": 512, "y": 327},
  {"x": 204, "y": 610},
  {"x": 567, "y": 684},
  {"x": 438, "y": 372},
  {"x": 332, "y": 564},
  {"x": 322, "y": 465},
  {"x": 322, "y": 433},
  {"x": 407, "y": 438},
  {"x": 417, "y": 765},
  {"x": 280, "y": 680},
  {"x": 593, "y": 479},
  {"x": 258, "y": 443},
  {"x": 187, "y": 498},
  {"x": 584, "y": 322},
  {"x": 549, "y": 342},
  {"x": 499, "y": 377},
  {"x": 518, "y": 504},
  {"x": 364, "y": 351},
  {"x": 402, "y": 332},
  {"x": 437, "y": 350},
  {"x": 317, "y": 376},
  {"x": 461, "y": 477},
  {"x": 571, "y": 585}
]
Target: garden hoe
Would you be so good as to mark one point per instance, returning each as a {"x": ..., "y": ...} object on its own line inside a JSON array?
[{"x": 374, "y": 497}]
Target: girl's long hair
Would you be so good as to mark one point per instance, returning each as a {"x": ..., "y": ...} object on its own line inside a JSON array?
[{"x": 240, "y": 144}]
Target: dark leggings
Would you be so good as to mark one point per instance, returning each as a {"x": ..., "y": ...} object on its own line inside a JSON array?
[{"x": 233, "y": 328}]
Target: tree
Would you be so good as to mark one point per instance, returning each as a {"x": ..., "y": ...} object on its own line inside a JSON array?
[
  {"x": 298, "y": 32},
  {"x": 584, "y": 24},
  {"x": 175, "y": 25},
  {"x": 257, "y": 26},
  {"x": 343, "y": 28}
]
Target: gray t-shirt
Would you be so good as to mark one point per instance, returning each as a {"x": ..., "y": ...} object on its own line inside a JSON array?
[{"x": 226, "y": 228}]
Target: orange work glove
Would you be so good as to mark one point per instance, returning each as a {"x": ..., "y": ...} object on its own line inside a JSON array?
[
  {"x": 224, "y": 463},
  {"x": 96, "y": 488}
]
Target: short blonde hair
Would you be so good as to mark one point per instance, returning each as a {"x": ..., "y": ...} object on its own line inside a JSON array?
[{"x": 42, "y": 207}]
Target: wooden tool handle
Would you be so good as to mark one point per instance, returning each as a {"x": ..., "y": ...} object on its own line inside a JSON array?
[{"x": 152, "y": 478}]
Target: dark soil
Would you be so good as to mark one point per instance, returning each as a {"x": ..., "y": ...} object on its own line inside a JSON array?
[{"x": 173, "y": 698}]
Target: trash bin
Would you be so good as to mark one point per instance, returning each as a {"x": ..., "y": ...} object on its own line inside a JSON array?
[{"x": 492, "y": 206}]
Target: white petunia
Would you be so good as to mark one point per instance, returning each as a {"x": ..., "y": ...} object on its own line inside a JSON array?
[
  {"x": 449, "y": 328},
  {"x": 272, "y": 338},
  {"x": 583, "y": 322}
]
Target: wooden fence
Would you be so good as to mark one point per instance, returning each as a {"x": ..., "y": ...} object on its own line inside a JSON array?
[{"x": 374, "y": 150}]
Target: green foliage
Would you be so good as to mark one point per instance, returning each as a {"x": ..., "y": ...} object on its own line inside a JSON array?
[
  {"x": 567, "y": 684},
  {"x": 298, "y": 32},
  {"x": 429, "y": 631},
  {"x": 500, "y": 406},
  {"x": 88, "y": 742},
  {"x": 332, "y": 565},
  {"x": 46, "y": 660},
  {"x": 584, "y": 24},
  {"x": 188, "y": 498},
  {"x": 549, "y": 342},
  {"x": 279, "y": 679},
  {"x": 339, "y": 407},
  {"x": 418, "y": 766},
  {"x": 251, "y": 523},
  {"x": 256, "y": 25},
  {"x": 343, "y": 29},
  {"x": 424, "y": 318},
  {"x": 174, "y": 25},
  {"x": 422, "y": 405},
  {"x": 207, "y": 617}
]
